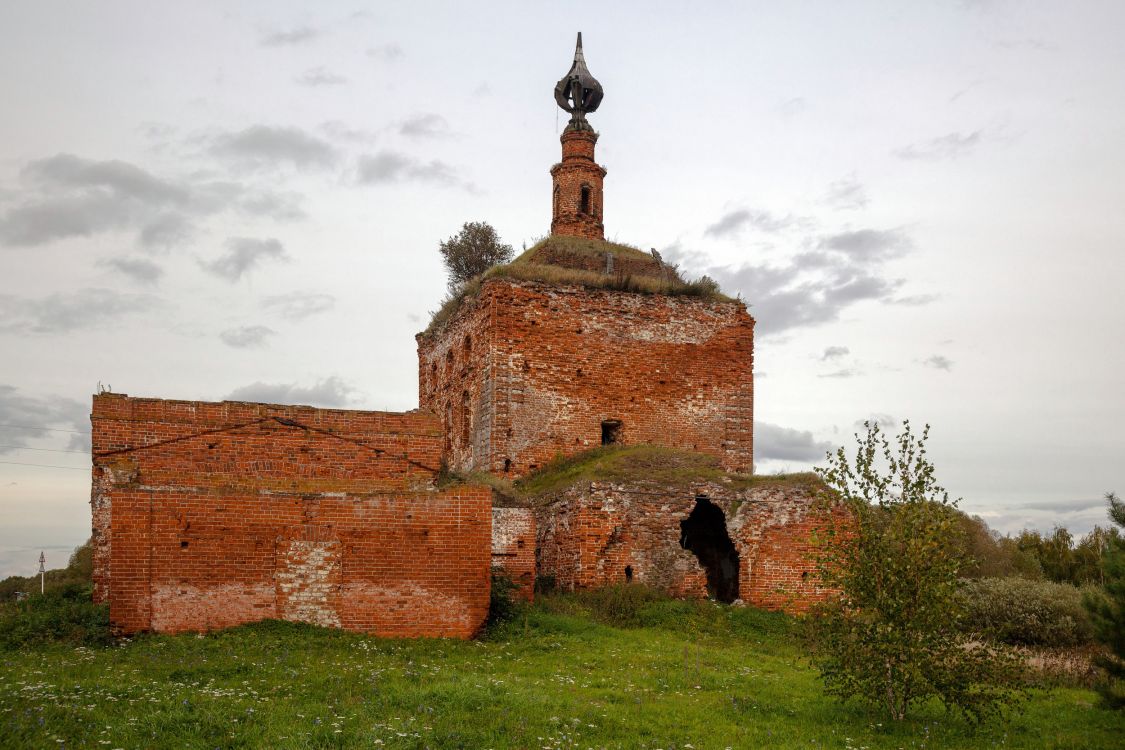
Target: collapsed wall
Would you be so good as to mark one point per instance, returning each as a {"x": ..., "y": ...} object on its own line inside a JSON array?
[
  {"x": 207, "y": 515},
  {"x": 755, "y": 544}
]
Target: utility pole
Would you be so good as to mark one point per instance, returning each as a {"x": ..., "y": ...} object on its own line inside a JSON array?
[{"x": 42, "y": 573}]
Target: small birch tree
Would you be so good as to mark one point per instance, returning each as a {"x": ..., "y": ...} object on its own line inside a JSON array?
[{"x": 892, "y": 639}]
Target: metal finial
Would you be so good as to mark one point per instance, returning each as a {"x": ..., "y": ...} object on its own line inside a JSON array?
[{"x": 578, "y": 92}]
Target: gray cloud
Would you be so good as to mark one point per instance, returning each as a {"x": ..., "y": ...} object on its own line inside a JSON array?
[
  {"x": 847, "y": 372},
  {"x": 67, "y": 196},
  {"x": 834, "y": 352},
  {"x": 948, "y": 146},
  {"x": 243, "y": 255},
  {"x": 165, "y": 231},
  {"x": 389, "y": 167},
  {"x": 733, "y": 222},
  {"x": 63, "y": 312},
  {"x": 247, "y": 337},
  {"x": 385, "y": 52},
  {"x": 330, "y": 392},
  {"x": 341, "y": 131},
  {"x": 297, "y": 35},
  {"x": 814, "y": 285},
  {"x": 428, "y": 125},
  {"x": 118, "y": 176},
  {"x": 299, "y": 305},
  {"x": 261, "y": 147},
  {"x": 283, "y": 206},
  {"x": 141, "y": 270},
  {"x": 938, "y": 362},
  {"x": 319, "y": 76},
  {"x": 786, "y": 444},
  {"x": 869, "y": 244},
  {"x": 847, "y": 193},
  {"x": 33, "y": 416}
]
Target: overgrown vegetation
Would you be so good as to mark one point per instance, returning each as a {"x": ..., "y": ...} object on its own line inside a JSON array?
[
  {"x": 471, "y": 252},
  {"x": 892, "y": 639},
  {"x": 528, "y": 266},
  {"x": 502, "y": 604},
  {"x": 1107, "y": 610},
  {"x": 1023, "y": 612},
  {"x": 683, "y": 673},
  {"x": 64, "y": 614}
]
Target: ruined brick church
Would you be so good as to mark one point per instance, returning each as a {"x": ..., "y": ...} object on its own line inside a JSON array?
[{"x": 207, "y": 515}]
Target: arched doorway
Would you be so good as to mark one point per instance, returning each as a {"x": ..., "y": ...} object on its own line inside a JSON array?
[{"x": 704, "y": 532}]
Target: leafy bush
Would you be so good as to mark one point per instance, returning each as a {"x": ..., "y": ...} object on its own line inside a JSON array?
[
  {"x": 1026, "y": 613},
  {"x": 891, "y": 638},
  {"x": 66, "y": 615},
  {"x": 502, "y": 603}
]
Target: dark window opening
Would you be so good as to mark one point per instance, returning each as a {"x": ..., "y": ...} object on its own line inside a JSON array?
[
  {"x": 611, "y": 432},
  {"x": 183, "y": 545},
  {"x": 704, "y": 532},
  {"x": 468, "y": 345},
  {"x": 628, "y": 574},
  {"x": 585, "y": 205},
  {"x": 507, "y": 465}
]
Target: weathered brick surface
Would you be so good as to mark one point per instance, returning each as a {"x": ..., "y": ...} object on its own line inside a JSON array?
[
  {"x": 527, "y": 371},
  {"x": 590, "y": 534},
  {"x": 209, "y": 515},
  {"x": 513, "y": 546},
  {"x": 576, "y": 176}
]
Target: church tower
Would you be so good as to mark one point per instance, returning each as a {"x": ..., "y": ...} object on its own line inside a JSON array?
[{"x": 577, "y": 180}]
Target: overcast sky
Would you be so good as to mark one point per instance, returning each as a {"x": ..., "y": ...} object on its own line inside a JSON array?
[{"x": 922, "y": 204}]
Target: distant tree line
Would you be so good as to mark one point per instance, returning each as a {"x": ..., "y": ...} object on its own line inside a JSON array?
[{"x": 1055, "y": 556}]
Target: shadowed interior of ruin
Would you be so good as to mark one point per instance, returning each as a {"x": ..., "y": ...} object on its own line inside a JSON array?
[{"x": 704, "y": 532}]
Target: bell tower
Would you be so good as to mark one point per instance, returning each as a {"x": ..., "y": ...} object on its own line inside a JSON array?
[{"x": 576, "y": 208}]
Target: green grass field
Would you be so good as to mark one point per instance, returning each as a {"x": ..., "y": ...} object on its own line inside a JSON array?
[{"x": 696, "y": 675}]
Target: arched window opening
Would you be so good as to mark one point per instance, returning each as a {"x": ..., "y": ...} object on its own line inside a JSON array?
[
  {"x": 628, "y": 574},
  {"x": 467, "y": 346},
  {"x": 584, "y": 207},
  {"x": 704, "y": 533}
]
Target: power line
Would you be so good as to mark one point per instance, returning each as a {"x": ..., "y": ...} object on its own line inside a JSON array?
[
  {"x": 49, "y": 429},
  {"x": 46, "y": 466},
  {"x": 51, "y": 450}
]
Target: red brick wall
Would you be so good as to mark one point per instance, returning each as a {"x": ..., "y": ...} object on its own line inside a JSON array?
[
  {"x": 208, "y": 515},
  {"x": 590, "y": 533},
  {"x": 513, "y": 546},
  {"x": 576, "y": 171},
  {"x": 548, "y": 364}
]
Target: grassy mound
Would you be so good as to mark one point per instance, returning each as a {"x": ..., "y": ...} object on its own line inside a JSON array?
[
  {"x": 635, "y": 464},
  {"x": 575, "y": 261}
]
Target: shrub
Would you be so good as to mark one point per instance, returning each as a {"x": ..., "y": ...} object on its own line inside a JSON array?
[
  {"x": 1026, "y": 613},
  {"x": 502, "y": 603},
  {"x": 66, "y": 615},
  {"x": 891, "y": 639},
  {"x": 621, "y": 606}
]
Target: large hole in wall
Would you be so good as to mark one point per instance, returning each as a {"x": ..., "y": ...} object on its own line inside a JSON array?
[{"x": 704, "y": 532}]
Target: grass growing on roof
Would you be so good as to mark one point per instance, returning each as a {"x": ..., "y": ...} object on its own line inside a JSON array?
[
  {"x": 674, "y": 675},
  {"x": 526, "y": 267}
]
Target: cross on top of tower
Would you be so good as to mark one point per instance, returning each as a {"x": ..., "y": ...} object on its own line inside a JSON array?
[{"x": 578, "y": 92}]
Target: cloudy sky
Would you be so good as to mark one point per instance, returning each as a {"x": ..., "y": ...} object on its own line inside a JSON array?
[{"x": 921, "y": 203}]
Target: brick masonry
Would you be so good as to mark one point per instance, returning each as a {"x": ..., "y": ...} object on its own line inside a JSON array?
[
  {"x": 208, "y": 515},
  {"x": 589, "y": 534},
  {"x": 513, "y": 547},
  {"x": 577, "y": 196},
  {"x": 527, "y": 371}
]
